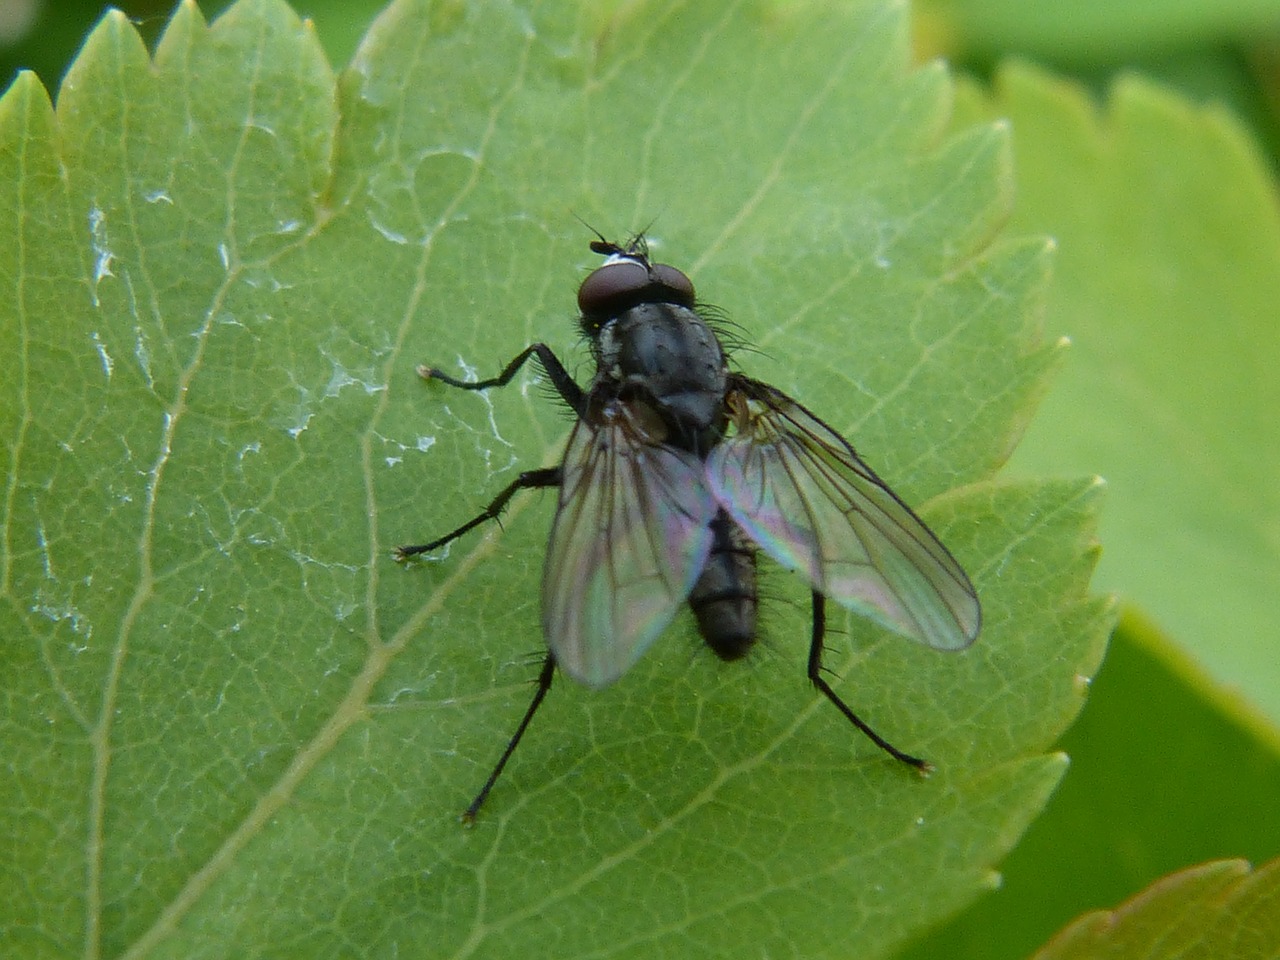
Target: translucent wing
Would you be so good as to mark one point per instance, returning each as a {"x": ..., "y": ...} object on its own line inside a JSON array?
[
  {"x": 803, "y": 495},
  {"x": 630, "y": 537}
]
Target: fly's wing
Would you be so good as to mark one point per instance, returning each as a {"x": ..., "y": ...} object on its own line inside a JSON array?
[
  {"x": 630, "y": 537},
  {"x": 803, "y": 495}
]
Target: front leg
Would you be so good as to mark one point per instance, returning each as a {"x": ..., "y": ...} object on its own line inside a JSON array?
[
  {"x": 530, "y": 479},
  {"x": 569, "y": 391}
]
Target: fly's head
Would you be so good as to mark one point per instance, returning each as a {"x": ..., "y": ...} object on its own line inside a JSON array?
[{"x": 627, "y": 279}]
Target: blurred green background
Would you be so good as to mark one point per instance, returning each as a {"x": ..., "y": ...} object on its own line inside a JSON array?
[
  {"x": 1226, "y": 52},
  {"x": 1176, "y": 759}
]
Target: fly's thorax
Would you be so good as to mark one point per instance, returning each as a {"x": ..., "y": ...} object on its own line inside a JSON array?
[
  {"x": 642, "y": 422},
  {"x": 670, "y": 353}
]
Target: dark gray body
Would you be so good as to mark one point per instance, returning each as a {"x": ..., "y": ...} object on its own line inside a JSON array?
[{"x": 667, "y": 356}]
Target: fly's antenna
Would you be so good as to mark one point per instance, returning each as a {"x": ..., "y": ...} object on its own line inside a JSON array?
[
  {"x": 644, "y": 231},
  {"x": 600, "y": 245},
  {"x": 639, "y": 242}
]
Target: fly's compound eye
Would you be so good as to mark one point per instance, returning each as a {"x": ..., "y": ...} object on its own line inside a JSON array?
[
  {"x": 614, "y": 282},
  {"x": 680, "y": 286},
  {"x": 624, "y": 283}
]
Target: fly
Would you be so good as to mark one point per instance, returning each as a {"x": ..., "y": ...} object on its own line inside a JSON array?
[{"x": 677, "y": 472}]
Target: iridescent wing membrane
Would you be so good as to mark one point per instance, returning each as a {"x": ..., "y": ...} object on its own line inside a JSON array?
[
  {"x": 632, "y": 531},
  {"x": 801, "y": 493},
  {"x": 630, "y": 537}
]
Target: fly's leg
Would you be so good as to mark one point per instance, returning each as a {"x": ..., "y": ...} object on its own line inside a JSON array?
[
  {"x": 544, "y": 684},
  {"x": 572, "y": 394},
  {"x": 529, "y": 480},
  {"x": 560, "y": 379},
  {"x": 547, "y": 477},
  {"x": 815, "y": 676}
]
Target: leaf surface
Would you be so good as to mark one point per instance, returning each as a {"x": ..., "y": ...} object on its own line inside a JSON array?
[{"x": 236, "y": 727}]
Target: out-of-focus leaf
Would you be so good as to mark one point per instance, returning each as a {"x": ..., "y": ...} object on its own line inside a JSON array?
[
  {"x": 1089, "y": 31},
  {"x": 1217, "y": 911},
  {"x": 1165, "y": 771},
  {"x": 1165, "y": 222},
  {"x": 1168, "y": 228}
]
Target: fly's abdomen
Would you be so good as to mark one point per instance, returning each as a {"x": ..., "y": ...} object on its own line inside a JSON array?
[{"x": 724, "y": 598}]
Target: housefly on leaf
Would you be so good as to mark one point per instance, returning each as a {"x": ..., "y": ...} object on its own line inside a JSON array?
[{"x": 677, "y": 473}]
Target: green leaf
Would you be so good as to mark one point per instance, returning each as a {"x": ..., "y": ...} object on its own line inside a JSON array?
[
  {"x": 1167, "y": 243},
  {"x": 236, "y": 727},
  {"x": 1221, "y": 910},
  {"x": 44, "y": 37},
  {"x": 1088, "y": 31},
  {"x": 1169, "y": 237},
  {"x": 1164, "y": 772}
]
